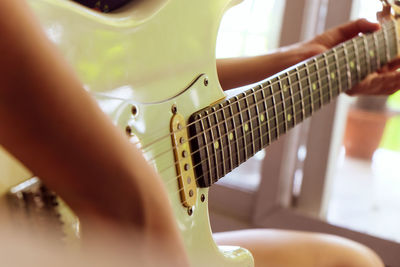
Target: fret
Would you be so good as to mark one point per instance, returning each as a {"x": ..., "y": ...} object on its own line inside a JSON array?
[
  {"x": 294, "y": 88},
  {"x": 284, "y": 84},
  {"x": 258, "y": 116},
  {"x": 261, "y": 110},
  {"x": 389, "y": 40},
  {"x": 343, "y": 68},
  {"x": 279, "y": 105},
  {"x": 322, "y": 77},
  {"x": 367, "y": 56},
  {"x": 206, "y": 171},
  {"x": 243, "y": 126},
  {"x": 227, "y": 143},
  {"x": 232, "y": 135},
  {"x": 214, "y": 167},
  {"x": 239, "y": 130},
  {"x": 254, "y": 120},
  {"x": 310, "y": 87},
  {"x": 332, "y": 74},
  {"x": 280, "y": 99},
  {"x": 382, "y": 47},
  {"x": 319, "y": 84},
  {"x": 395, "y": 40},
  {"x": 338, "y": 72},
  {"x": 363, "y": 57},
  {"x": 288, "y": 99},
  {"x": 272, "y": 96},
  {"x": 218, "y": 144},
  {"x": 267, "y": 117},
  {"x": 352, "y": 63},
  {"x": 268, "y": 110},
  {"x": 346, "y": 62},
  {"x": 250, "y": 127},
  {"x": 372, "y": 52},
  {"x": 301, "y": 93},
  {"x": 328, "y": 77},
  {"x": 305, "y": 99},
  {"x": 376, "y": 49},
  {"x": 357, "y": 61},
  {"x": 387, "y": 48}
]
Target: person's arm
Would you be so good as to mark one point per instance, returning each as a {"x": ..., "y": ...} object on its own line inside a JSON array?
[
  {"x": 50, "y": 123},
  {"x": 235, "y": 72}
]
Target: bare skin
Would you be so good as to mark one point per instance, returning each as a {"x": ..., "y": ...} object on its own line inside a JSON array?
[
  {"x": 98, "y": 173},
  {"x": 73, "y": 159},
  {"x": 282, "y": 248},
  {"x": 235, "y": 72},
  {"x": 279, "y": 248}
]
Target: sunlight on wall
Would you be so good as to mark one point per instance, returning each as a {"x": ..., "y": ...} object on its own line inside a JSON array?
[
  {"x": 366, "y": 9},
  {"x": 250, "y": 28}
]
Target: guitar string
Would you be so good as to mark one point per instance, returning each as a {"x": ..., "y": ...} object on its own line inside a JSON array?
[
  {"x": 303, "y": 67},
  {"x": 311, "y": 104},
  {"x": 313, "y": 95},
  {"x": 310, "y": 96},
  {"x": 258, "y": 127},
  {"x": 241, "y": 149},
  {"x": 244, "y": 136},
  {"x": 361, "y": 59},
  {"x": 247, "y": 109},
  {"x": 339, "y": 48}
]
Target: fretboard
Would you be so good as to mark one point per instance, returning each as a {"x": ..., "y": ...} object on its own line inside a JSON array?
[{"x": 228, "y": 133}]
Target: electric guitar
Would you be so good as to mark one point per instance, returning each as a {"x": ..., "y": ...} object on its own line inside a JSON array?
[{"x": 151, "y": 66}]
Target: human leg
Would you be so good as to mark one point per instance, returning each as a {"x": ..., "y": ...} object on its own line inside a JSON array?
[{"x": 282, "y": 248}]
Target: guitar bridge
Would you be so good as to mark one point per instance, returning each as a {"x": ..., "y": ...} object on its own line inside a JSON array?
[
  {"x": 183, "y": 161},
  {"x": 33, "y": 204}
]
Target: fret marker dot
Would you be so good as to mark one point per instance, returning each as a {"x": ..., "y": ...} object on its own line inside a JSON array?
[
  {"x": 230, "y": 136},
  {"x": 246, "y": 127},
  {"x": 289, "y": 117},
  {"x": 262, "y": 118},
  {"x": 314, "y": 86},
  {"x": 284, "y": 87},
  {"x": 216, "y": 144},
  {"x": 371, "y": 53},
  {"x": 333, "y": 75},
  {"x": 352, "y": 64}
]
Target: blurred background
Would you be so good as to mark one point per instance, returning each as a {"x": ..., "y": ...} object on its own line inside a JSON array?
[{"x": 339, "y": 171}]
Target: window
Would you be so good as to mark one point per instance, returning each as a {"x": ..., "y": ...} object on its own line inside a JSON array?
[
  {"x": 248, "y": 29},
  {"x": 366, "y": 192}
]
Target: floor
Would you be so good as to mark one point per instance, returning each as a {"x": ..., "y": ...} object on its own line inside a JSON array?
[{"x": 366, "y": 195}]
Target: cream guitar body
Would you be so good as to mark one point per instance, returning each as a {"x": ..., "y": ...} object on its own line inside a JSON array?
[
  {"x": 151, "y": 67},
  {"x": 144, "y": 63}
]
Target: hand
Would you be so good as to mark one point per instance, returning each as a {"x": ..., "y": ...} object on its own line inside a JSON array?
[{"x": 385, "y": 81}]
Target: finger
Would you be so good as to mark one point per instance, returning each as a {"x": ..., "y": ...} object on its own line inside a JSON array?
[
  {"x": 377, "y": 84},
  {"x": 394, "y": 64},
  {"x": 384, "y": 84},
  {"x": 353, "y": 28},
  {"x": 349, "y": 30}
]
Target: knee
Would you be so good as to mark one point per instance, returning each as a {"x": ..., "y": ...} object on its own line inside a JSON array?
[{"x": 342, "y": 252}]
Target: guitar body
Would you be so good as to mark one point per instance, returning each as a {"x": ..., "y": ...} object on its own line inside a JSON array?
[{"x": 151, "y": 56}]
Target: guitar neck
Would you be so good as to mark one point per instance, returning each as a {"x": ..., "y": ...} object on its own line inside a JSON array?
[{"x": 228, "y": 133}]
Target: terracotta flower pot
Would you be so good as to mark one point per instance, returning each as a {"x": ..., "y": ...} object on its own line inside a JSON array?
[{"x": 364, "y": 130}]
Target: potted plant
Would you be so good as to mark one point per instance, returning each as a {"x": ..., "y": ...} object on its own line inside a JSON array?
[{"x": 365, "y": 125}]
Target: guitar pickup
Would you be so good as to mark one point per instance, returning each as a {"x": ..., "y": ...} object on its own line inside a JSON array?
[{"x": 183, "y": 161}]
